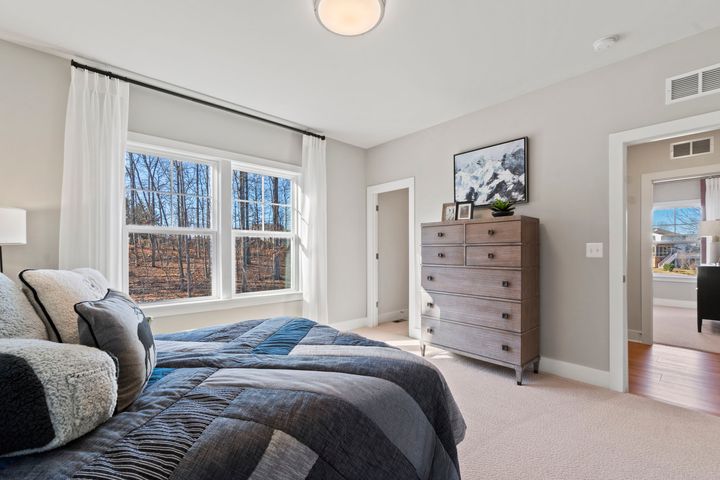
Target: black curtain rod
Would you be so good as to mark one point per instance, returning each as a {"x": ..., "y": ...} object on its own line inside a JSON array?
[{"x": 193, "y": 99}]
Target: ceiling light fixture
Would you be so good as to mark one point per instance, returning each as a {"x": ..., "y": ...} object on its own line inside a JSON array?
[{"x": 349, "y": 18}]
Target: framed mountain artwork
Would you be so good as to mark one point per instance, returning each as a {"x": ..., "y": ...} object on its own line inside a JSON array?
[{"x": 496, "y": 171}]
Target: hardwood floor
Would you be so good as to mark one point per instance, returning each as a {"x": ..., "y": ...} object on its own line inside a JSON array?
[{"x": 684, "y": 377}]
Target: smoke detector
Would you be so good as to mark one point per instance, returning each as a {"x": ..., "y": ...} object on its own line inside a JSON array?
[{"x": 605, "y": 42}]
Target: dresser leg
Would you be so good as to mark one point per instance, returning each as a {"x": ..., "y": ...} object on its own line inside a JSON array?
[
  {"x": 699, "y": 323},
  {"x": 536, "y": 366},
  {"x": 422, "y": 349},
  {"x": 518, "y": 375}
]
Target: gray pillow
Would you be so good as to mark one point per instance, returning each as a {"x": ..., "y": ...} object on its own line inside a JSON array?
[
  {"x": 52, "y": 393},
  {"x": 116, "y": 325},
  {"x": 54, "y": 293},
  {"x": 17, "y": 317}
]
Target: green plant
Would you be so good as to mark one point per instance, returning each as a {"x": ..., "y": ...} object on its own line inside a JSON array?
[
  {"x": 502, "y": 205},
  {"x": 668, "y": 267}
]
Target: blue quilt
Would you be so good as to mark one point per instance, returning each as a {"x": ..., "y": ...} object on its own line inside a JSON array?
[{"x": 277, "y": 399}]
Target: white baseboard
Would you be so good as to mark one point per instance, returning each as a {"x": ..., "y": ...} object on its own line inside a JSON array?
[
  {"x": 635, "y": 335},
  {"x": 573, "y": 371},
  {"x": 669, "y": 302},
  {"x": 393, "y": 315},
  {"x": 347, "y": 325}
]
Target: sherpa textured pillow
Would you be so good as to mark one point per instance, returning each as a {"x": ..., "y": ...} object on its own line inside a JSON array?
[
  {"x": 116, "y": 325},
  {"x": 52, "y": 393},
  {"x": 54, "y": 294},
  {"x": 17, "y": 317}
]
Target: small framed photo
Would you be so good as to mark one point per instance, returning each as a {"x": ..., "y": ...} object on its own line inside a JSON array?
[
  {"x": 465, "y": 210},
  {"x": 449, "y": 212}
]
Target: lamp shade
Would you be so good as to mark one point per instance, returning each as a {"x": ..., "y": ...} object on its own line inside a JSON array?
[
  {"x": 12, "y": 226},
  {"x": 710, "y": 228}
]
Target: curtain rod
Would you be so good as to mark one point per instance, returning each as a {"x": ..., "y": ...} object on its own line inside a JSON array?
[{"x": 106, "y": 73}]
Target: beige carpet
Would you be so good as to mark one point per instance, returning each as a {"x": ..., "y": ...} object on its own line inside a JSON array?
[
  {"x": 678, "y": 327},
  {"x": 554, "y": 428}
]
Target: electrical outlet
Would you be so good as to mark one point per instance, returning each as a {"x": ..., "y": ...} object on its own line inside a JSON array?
[{"x": 594, "y": 250}]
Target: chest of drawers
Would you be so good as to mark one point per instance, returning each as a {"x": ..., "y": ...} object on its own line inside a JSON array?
[{"x": 481, "y": 288}]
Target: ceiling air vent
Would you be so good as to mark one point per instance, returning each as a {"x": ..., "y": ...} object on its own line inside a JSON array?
[
  {"x": 691, "y": 148},
  {"x": 701, "y": 82}
]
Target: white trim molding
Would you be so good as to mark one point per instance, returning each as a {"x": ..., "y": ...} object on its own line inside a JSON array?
[
  {"x": 671, "y": 302},
  {"x": 393, "y": 315},
  {"x": 617, "y": 202},
  {"x": 372, "y": 248},
  {"x": 348, "y": 325},
  {"x": 574, "y": 371},
  {"x": 170, "y": 309}
]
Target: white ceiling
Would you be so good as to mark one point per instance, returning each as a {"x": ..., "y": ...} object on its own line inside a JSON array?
[{"x": 428, "y": 62}]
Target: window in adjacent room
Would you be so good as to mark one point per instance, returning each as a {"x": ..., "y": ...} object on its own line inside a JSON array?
[{"x": 676, "y": 244}]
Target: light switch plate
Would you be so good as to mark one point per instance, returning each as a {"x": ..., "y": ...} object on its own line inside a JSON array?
[{"x": 594, "y": 250}]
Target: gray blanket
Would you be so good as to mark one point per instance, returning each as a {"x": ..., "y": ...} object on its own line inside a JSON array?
[{"x": 283, "y": 399}]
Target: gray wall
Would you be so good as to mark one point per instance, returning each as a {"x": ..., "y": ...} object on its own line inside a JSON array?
[
  {"x": 646, "y": 158},
  {"x": 32, "y": 111},
  {"x": 568, "y": 124},
  {"x": 393, "y": 268}
]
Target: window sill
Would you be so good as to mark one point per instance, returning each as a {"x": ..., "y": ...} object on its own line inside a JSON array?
[
  {"x": 674, "y": 278},
  {"x": 215, "y": 304}
]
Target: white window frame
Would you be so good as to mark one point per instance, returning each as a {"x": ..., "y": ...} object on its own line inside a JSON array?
[
  {"x": 223, "y": 258},
  {"x": 669, "y": 277}
]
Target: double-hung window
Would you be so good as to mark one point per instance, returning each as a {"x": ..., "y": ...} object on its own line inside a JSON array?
[{"x": 207, "y": 227}]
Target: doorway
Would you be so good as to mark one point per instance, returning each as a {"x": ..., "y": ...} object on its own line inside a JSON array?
[
  {"x": 392, "y": 259},
  {"x": 668, "y": 359}
]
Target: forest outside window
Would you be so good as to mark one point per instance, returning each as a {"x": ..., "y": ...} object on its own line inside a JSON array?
[
  {"x": 264, "y": 239},
  {"x": 170, "y": 226}
]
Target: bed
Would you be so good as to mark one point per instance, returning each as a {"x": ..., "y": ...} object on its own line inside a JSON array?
[{"x": 282, "y": 398}]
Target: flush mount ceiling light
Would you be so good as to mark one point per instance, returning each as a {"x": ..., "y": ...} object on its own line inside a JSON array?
[{"x": 349, "y": 18}]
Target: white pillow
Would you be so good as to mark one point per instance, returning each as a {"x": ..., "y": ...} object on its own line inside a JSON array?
[
  {"x": 54, "y": 294},
  {"x": 52, "y": 393},
  {"x": 17, "y": 317}
]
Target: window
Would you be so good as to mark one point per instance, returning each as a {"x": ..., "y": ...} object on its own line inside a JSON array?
[
  {"x": 263, "y": 236},
  {"x": 676, "y": 245},
  {"x": 201, "y": 227},
  {"x": 172, "y": 237}
]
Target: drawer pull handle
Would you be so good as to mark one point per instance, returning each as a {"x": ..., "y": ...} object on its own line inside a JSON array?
[
  {"x": 505, "y": 283},
  {"x": 491, "y": 256},
  {"x": 491, "y": 232},
  {"x": 440, "y": 234},
  {"x": 441, "y": 255},
  {"x": 505, "y": 316},
  {"x": 506, "y": 348},
  {"x": 430, "y": 305},
  {"x": 430, "y": 278},
  {"x": 430, "y": 330}
]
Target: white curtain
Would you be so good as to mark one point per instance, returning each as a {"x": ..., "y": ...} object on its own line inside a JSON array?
[
  {"x": 91, "y": 210},
  {"x": 712, "y": 199},
  {"x": 313, "y": 230}
]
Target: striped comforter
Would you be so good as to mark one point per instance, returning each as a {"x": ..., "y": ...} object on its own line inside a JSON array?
[{"x": 283, "y": 399}]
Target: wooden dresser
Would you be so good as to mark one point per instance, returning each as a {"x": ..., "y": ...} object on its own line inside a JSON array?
[{"x": 482, "y": 290}]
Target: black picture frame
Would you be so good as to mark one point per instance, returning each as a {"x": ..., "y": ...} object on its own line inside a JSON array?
[{"x": 480, "y": 202}]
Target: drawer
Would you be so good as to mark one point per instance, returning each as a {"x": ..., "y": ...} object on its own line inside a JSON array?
[
  {"x": 443, "y": 255},
  {"x": 503, "y": 346},
  {"x": 477, "y": 311},
  {"x": 499, "y": 232},
  {"x": 495, "y": 256},
  {"x": 443, "y": 234},
  {"x": 473, "y": 281}
]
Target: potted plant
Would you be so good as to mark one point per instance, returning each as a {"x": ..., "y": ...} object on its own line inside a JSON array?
[{"x": 502, "y": 208}]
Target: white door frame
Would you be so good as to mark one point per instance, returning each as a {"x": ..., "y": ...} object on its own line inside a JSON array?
[
  {"x": 617, "y": 247},
  {"x": 372, "y": 249},
  {"x": 648, "y": 180}
]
